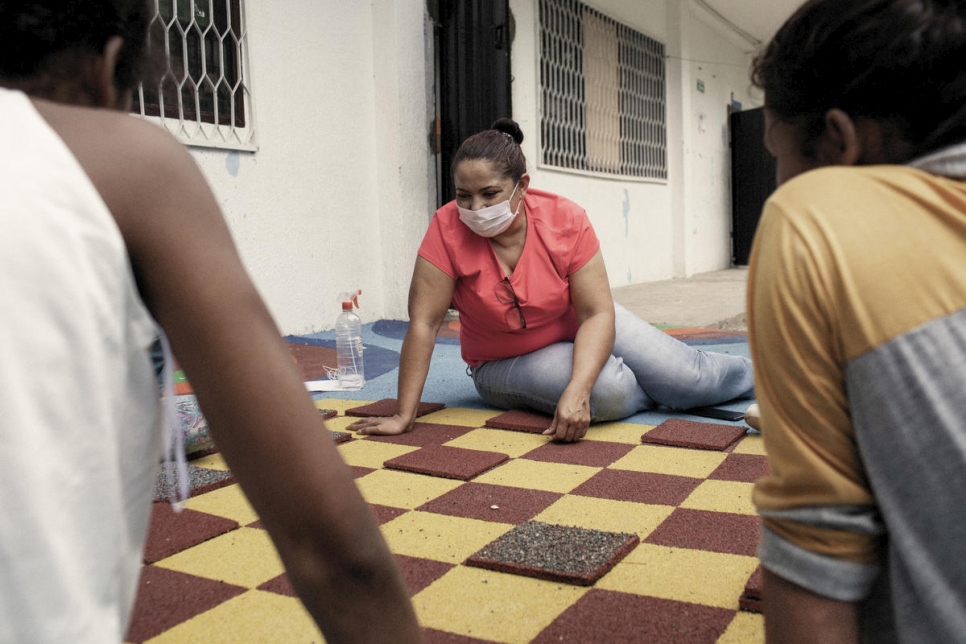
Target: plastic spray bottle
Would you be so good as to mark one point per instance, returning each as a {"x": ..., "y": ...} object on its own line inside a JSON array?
[{"x": 348, "y": 343}]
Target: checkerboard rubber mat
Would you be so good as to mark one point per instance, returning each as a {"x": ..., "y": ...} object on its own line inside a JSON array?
[{"x": 685, "y": 525}]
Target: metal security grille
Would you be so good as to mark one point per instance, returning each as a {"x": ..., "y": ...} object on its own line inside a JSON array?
[
  {"x": 200, "y": 93},
  {"x": 603, "y": 94}
]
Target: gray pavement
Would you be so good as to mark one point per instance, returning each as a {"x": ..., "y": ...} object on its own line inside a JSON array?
[{"x": 713, "y": 300}]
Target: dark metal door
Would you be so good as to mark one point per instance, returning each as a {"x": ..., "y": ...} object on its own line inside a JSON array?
[
  {"x": 473, "y": 74},
  {"x": 752, "y": 179}
]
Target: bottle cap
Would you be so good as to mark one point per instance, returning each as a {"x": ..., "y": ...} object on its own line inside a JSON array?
[{"x": 350, "y": 299}]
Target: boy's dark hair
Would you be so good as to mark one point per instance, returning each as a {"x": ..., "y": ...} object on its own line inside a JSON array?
[
  {"x": 500, "y": 145},
  {"x": 47, "y": 37},
  {"x": 902, "y": 62}
]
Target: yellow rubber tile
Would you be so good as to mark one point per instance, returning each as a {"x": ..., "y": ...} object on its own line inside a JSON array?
[
  {"x": 751, "y": 444},
  {"x": 606, "y": 514},
  {"x": 513, "y": 444},
  {"x": 440, "y": 537},
  {"x": 244, "y": 557},
  {"x": 255, "y": 616},
  {"x": 626, "y": 433},
  {"x": 721, "y": 496},
  {"x": 697, "y": 576},
  {"x": 695, "y": 463},
  {"x": 211, "y": 462},
  {"x": 403, "y": 489},
  {"x": 493, "y": 606},
  {"x": 365, "y": 453},
  {"x": 228, "y": 502},
  {"x": 339, "y": 424},
  {"x": 460, "y": 416},
  {"x": 339, "y": 404},
  {"x": 745, "y": 628},
  {"x": 537, "y": 475}
]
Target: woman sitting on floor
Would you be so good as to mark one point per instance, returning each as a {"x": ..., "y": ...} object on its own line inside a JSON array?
[{"x": 538, "y": 326}]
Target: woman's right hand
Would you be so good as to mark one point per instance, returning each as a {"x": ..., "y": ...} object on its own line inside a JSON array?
[{"x": 381, "y": 426}]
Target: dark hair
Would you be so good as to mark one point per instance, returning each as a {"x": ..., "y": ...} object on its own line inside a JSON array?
[
  {"x": 897, "y": 61},
  {"x": 500, "y": 145},
  {"x": 45, "y": 37}
]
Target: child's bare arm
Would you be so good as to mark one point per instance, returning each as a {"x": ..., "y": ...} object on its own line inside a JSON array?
[{"x": 259, "y": 413}]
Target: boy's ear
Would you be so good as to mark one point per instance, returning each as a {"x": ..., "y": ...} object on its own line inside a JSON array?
[
  {"x": 104, "y": 74},
  {"x": 840, "y": 143}
]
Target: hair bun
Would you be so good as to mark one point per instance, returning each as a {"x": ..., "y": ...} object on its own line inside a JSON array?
[{"x": 510, "y": 128}]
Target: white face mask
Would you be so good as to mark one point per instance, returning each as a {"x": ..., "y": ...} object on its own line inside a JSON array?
[{"x": 492, "y": 220}]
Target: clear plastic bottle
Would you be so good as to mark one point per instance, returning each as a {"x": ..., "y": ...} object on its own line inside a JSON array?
[{"x": 348, "y": 344}]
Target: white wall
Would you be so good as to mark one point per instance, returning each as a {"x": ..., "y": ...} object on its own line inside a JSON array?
[
  {"x": 342, "y": 185},
  {"x": 654, "y": 230},
  {"x": 720, "y": 61}
]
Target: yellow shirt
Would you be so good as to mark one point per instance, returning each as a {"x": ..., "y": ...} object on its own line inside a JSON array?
[{"x": 857, "y": 323}]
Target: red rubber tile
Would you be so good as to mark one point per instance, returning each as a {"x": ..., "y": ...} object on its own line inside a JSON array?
[
  {"x": 519, "y": 420},
  {"x": 420, "y": 573},
  {"x": 477, "y": 501},
  {"x": 447, "y": 462},
  {"x": 328, "y": 413},
  {"x": 384, "y": 513},
  {"x": 608, "y": 616},
  {"x": 170, "y": 533},
  {"x": 736, "y": 534},
  {"x": 166, "y": 598},
  {"x": 279, "y": 585},
  {"x": 750, "y": 599},
  {"x": 425, "y": 434},
  {"x": 749, "y": 604},
  {"x": 201, "y": 453},
  {"x": 585, "y": 452},
  {"x": 341, "y": 437},
  {"x": 358, "y": 471},
  {"x": 689, "y": 433},
  {"x": 700, "y": 333},
  {"x": 200, "y": 481},
  {"x": 746, "y": 468},
  {"x": 432, "y": 636},
  {"x": 388, "y": 407},
  {"x": 639, "y": 487},
  {"x": 566, "y": 554}
]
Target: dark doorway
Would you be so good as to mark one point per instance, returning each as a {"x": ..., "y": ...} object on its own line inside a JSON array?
[
  {"x": 473, "y": 75},
  {"x": 752, "y": 179}
]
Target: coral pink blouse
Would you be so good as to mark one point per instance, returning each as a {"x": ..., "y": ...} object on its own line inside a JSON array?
[{"x": 560, "y": 240}]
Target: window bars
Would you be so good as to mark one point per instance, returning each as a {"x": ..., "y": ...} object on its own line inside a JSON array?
[
  {"x": 200, "y": 91},
  {"x": 603, "y": 94}
]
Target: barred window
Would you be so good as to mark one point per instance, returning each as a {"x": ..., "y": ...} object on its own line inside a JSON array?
[
  {"x": 602, "y": 94},
  {"x": 201, "y": 94}
]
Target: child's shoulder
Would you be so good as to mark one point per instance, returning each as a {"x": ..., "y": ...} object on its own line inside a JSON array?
[{"x": 114, "y": 139}]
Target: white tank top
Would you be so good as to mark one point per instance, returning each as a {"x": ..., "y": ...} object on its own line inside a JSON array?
[{"x": 79, "y": 415}]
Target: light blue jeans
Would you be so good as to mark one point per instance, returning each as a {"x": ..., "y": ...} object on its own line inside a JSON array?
[{"x": 648, "y": 368}]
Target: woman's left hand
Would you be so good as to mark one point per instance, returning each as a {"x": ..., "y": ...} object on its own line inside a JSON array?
[
  {"x": 571, "y": 418},
  {"x": 590, "y": 294}
]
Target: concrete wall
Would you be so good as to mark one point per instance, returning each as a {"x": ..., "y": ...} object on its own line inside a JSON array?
[{"x": 342, "y": 185}]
